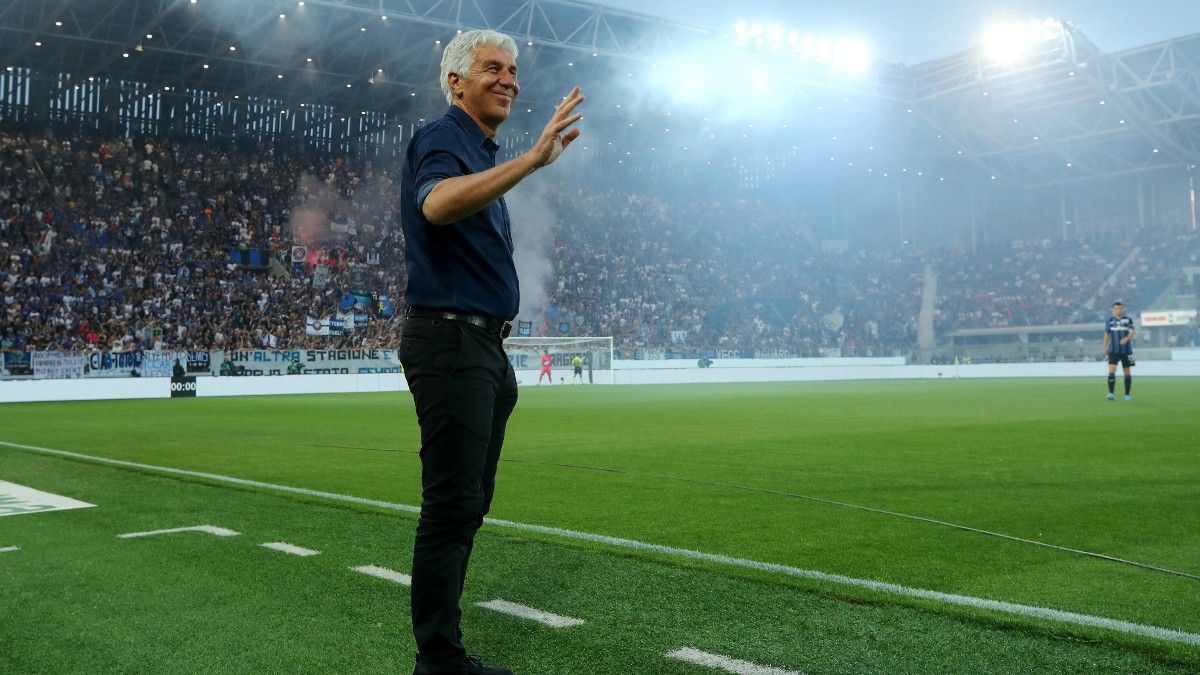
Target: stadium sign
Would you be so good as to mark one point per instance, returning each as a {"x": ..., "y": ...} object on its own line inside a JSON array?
[
  {"x": 18, "y": 364},
  {"x": 52, "y": 365},
  {"x": 1179, "y": 317},
  {"x": 314, "y": 361},
  {"x": 18, "y": 499},
  {"x": 57, "y": 365},
  {"x": 160, "y": 364},
  {"x": 114, "y": 364}
]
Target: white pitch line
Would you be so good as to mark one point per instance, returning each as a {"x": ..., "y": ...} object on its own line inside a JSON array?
[
  {"x": 290, "y": 548},
  {"x": 10, "y": 549},
  {"x": 533, "y": 614},
  {"x": 1001, "y": 606},
  {"x": 207, "y": 529},
  {"x": 384, "y": 573},
  {"x": 726, "y": 663}
]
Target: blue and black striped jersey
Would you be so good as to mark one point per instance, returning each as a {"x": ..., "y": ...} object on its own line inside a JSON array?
[{"x": 1117, "y": 329}]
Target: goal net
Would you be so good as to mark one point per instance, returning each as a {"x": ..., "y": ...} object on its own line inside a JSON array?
[{"x": 596, "y": 353}]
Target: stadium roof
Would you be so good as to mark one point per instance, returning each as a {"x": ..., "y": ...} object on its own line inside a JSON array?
[
  {"x": 1068, "y": 111},
  {"x": 388, "y": 51},
  {"x": 1064, "y": 112}
]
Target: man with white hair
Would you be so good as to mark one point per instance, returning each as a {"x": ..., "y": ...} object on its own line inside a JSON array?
[{"x": 462, "y": 294}]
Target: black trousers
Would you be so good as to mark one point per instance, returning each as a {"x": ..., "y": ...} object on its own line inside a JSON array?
[{"x": 464, "y": 389}]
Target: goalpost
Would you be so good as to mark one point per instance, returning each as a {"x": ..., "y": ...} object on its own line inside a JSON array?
[{"x": 596, "y": 353}]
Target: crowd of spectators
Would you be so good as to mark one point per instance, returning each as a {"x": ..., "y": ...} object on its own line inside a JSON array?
[
  {"x": 734, "y": 276},
  {"x": 1156, "y": 261},
  {"x": 1052, "y": 282},
  {"x": 126, "y": 244},
  {"x": 1020, "y": 283}
]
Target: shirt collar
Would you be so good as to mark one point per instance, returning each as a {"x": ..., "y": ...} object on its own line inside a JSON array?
[{"x": 471, "y": 127}]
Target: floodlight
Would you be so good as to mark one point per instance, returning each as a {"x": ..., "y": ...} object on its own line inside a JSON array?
[
  {"x": 810, "y": 46},
  {"x": 1007, "y": 42},
  {"x": 852, "y": 55},
  {"x": 824, "y": 50}
]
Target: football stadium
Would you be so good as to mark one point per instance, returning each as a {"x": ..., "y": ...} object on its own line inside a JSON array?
[{"x": 716, "y": 338}]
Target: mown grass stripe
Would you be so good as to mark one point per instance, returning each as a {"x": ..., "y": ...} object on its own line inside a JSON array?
[{"x": 1001, "y": 606}]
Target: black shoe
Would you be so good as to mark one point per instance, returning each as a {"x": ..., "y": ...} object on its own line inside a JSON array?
[
  {"x": 421, "y": 669},
  {"x": 476, "y": 667},
  {"x": 471, "y": 666}
]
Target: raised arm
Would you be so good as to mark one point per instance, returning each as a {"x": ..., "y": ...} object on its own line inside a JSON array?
[{"x": 456, "y": 198}]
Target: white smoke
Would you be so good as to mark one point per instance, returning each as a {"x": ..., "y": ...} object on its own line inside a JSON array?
[
  {"x": 533, "y": 236},
  {"x": 317, "y": 203}
]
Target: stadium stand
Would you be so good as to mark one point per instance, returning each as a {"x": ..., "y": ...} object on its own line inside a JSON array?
[
  {"x": 148, "y": 243},
  {"x": 647, "y": 272},
  {"x": 124, "y": 244},
  {"x": 1020, "y": 283}
]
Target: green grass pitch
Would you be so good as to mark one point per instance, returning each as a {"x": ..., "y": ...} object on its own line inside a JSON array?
[{"x": 777, "y": 473}]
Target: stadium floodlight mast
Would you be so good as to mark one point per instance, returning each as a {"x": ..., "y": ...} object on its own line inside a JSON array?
[{"x": 1008, "y": 42}]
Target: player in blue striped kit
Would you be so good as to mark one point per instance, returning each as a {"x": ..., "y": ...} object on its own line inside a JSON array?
[{"x": 1118, "y": 345}]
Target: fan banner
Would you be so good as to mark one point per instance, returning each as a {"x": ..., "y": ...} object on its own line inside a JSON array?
[
  {"x": 58, "y": 365},
  {"x": 315, "y": 361}
]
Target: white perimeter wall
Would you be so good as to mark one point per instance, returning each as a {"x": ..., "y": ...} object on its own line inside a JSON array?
[
  {"x": 627, "y": 372},
  {"x": 693, "y": 374}
]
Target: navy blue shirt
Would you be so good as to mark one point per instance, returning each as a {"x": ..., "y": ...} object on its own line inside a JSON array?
[
  {"x": 466, "y": 266},
  {"x": 1117, "y": 330}
]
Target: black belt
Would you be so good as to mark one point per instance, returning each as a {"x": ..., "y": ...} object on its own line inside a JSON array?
[{"x": 490, "y": 324}]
